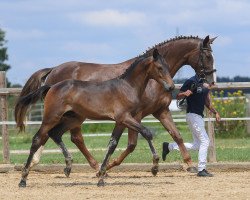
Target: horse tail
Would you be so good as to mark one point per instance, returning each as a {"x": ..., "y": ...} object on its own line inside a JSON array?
[
  {"x": 35, "y": 81},
  {"x": 24, "y": 102}
]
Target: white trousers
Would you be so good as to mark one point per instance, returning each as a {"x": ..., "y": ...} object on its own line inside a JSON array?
[{"x": 200, "y": 139}]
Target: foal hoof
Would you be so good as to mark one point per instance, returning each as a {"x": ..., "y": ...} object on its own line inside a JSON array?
[
  {"x": 154, "y": 170},
  {"x": 22, "y": 184},
  {"x": 192, "y": 170},
  {"x": 67, "y": 171},
  {"x": 101, "y": 183}
]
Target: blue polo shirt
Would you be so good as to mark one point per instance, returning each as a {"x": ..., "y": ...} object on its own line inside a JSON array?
[{"x": 196, "y": 101}]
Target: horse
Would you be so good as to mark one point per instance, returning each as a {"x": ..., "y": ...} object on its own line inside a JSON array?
[
  {"x": 116, "y": 99},
  {"x": 178, "y": 52}
]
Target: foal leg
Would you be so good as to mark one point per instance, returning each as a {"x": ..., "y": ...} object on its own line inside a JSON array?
[
  {"x": 116, "y": 134},
  {"x": 146, "y": 133},
  {"x": 132, "y": 142},
  {"x": 77, "y": 139},
  {"x": 165, "y": 117},
  {"x": 40, "y": 138}
]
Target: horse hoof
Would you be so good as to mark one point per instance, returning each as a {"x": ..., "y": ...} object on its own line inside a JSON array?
[
  {"x": 98, "y": 174},
  {"x": 67, "y": 171},
  {"x": 154, "y": 170},
  {"x": 22, "y": 184},
  {"x": 101, "y": 183},
  {"x": 192, "y": 170}
]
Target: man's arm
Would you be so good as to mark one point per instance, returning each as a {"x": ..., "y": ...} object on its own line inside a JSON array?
[
  {"x": 208, "y": 104},
  {"x": 182, "y": 94}
]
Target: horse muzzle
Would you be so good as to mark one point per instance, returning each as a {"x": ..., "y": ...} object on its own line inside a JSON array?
[{"x": 168, "y": 87}]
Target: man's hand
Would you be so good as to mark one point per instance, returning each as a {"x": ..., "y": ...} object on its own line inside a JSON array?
[
  {"x": 188, "y": 93},
  {"x": 217, "y": 117}
]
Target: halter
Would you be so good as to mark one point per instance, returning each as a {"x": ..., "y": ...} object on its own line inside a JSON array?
[{"x": 203, "y": 72}]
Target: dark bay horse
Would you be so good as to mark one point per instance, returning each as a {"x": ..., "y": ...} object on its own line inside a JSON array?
[
  {"x": 178, "y": 52},
  {"x": 116, "y": 99}
]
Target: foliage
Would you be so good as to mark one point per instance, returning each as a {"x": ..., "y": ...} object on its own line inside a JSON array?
[
  {"x": 231, "y": 107},
  {"x": 3, "y": 55},
  {"x": 3, "y": 52}
]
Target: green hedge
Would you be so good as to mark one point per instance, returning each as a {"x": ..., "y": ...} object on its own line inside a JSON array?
[{"x": 232, "y": 107}]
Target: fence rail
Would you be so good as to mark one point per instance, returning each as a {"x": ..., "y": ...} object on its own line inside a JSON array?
[
  {"x": 4, "y": 92},
  {"x": 221, "y": 86}
]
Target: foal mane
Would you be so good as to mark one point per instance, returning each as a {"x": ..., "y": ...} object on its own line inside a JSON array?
[{"x": 132, "y": 66}]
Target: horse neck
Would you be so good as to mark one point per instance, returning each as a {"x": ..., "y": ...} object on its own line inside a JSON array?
[
  {"x": 177, "y": 52},
  {"x": 137, "y": 77}
]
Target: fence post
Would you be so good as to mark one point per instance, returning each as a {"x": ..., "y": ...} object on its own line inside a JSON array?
[
  {"x": 4, "y": 117},
  {"x": 212, "y": 149},
  {"x": 248, "y": 112}
]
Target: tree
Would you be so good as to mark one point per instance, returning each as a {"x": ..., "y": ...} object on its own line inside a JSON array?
[{"x": 3, "y": 52}]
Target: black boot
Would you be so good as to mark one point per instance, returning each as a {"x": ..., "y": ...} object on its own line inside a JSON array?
[
  {"x": 165, "y": 150},
  {"x": 204, "y": 173}
]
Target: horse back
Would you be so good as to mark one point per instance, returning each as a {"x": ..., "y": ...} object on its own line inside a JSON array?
[{"x": 86, "y": 71}]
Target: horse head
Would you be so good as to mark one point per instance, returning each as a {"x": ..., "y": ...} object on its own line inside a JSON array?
[
  {"x": 202, "y": 60},
  {"x": 159, "y": 71}
]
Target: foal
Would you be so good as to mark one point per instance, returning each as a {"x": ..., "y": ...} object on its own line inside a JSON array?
[{"x": 116, "y": 99}]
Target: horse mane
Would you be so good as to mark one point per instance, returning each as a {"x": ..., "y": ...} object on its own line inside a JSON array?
[
  {"x": 148, "y": 52},
  {"x": 159, "y": 45}
]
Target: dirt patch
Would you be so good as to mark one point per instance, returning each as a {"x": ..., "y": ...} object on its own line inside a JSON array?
[{"x": 127, "y": 185}]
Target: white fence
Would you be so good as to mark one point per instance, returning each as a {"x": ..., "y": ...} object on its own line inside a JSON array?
[{"x": 15, "y": 91}]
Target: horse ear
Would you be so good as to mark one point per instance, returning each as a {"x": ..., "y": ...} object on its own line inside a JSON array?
[
  {"x": 155, "y": 54},
  {"x": 206, "y": 41},
  {"x": 212, "y": 40}
]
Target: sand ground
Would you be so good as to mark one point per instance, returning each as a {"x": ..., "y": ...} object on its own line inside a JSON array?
[{"x": 127, "y": 185}]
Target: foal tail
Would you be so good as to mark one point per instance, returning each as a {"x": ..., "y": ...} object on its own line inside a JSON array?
[{"x": 24, "y": 102}]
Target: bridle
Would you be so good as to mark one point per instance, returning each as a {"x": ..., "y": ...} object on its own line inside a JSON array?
[{"x": 203, "y": 72}]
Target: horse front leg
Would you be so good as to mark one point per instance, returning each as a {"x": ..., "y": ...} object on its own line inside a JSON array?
[
  {"x": 165, "y": 117},
  {"x": 77, "y": 139},
  {"x": 147, "y": 134},
  {"x": 116, "y": 135}
]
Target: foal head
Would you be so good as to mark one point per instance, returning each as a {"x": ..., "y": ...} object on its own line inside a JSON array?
[{"x": 159, "y": 71}]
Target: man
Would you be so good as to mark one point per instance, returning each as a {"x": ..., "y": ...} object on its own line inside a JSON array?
[{"x": 197, "y": 95}]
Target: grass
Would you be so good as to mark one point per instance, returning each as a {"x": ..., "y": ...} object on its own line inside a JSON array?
[{"x": 234, "y": 150}]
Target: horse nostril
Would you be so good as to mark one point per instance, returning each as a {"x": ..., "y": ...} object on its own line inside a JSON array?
[{"x": 172, "y": 87}]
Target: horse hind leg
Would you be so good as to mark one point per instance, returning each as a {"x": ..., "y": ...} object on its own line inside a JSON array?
[
  {"x": 36, "y": 157},
  {"x": 40, "y": 138},
  {"x": 56, "y": 135}
]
